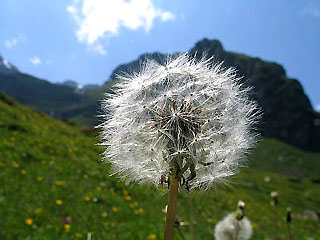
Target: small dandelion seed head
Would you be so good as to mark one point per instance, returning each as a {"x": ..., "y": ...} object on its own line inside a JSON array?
[
  {"x": 225, "y": 229},
  {"x": 191, "y": 115},
  {"x": 274, "y": 194},
  {"x": 241, "y": 204}
]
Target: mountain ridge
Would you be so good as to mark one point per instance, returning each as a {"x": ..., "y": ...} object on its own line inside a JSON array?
[
  {"x": 6, "y": 67},
  {"x": 288, "y": 113}
]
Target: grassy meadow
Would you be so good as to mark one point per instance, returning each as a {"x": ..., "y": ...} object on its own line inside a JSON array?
[{"x": 53, "y": 186}]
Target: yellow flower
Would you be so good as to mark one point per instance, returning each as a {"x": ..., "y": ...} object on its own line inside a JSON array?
[
  {"x": 115, "y": 209},
  {"x": 127, "y": 198},
  {"x": 67, "y": 227},
  {"x": 87, "y": 198},
  {"x": 29, "y": 221},
  {"x": 152, "y": 236},
  {"x": 39, "y": 179},
  {"x": 139, "y": 211},
  {"x": 134, "y": 205},
  {"x": 78, "y": 235},
  {"x": 85, "y": 176},
  {"x": 15, "y": 164},
  {"x": 38, "y": 211},
  {"x": 104, "y": 214},
  {"x": 59, "y": 202},
  {"x": 60, "y": 182},
  {"x": 23, "y": 172}
]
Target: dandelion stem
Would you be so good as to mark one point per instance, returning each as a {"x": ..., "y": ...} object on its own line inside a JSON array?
[
  {"x": 171, "y": 210},
  {"x": 192, "y": 220},
  {"x": 289, "y": 232},
  {"x": 237, "y": 230}
]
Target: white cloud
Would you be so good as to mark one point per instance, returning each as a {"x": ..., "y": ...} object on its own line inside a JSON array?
[
  {"x": 101, "y": 19},
  {"x": 35, "y": 60},
  {"x": 167, "y": 16},
  {"x": 10, "y": 43},
  {"x": 99, "y": 49},
  {"x": 312, "y": 9}
]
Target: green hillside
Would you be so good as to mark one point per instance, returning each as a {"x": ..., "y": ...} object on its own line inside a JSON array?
[
  {"x": 50, "y": 173},
  {"x": 38, "y": 93}
]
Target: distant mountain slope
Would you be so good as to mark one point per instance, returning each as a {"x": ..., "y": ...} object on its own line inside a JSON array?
[
  {"x": 135, "y": 65},
  {"x": 6, "y": 67},
  {"x": 288, "y": 114},
  {"x": 38, "y": 93}
]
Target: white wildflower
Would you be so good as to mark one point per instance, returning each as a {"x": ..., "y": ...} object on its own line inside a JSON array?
[
  {"x": 188, "y": 116},
  {"x": 226, "y": 229}
]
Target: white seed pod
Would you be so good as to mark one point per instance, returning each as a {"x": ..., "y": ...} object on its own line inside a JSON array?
[
  {"x": 226, "y": 229},
  {"x": 186, "y": 114}
]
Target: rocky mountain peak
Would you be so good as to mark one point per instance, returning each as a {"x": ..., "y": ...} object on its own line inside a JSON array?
[{"x": 6, "y": 67}]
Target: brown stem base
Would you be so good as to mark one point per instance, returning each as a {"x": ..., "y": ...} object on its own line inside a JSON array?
[{"x": 171, "y": 210}]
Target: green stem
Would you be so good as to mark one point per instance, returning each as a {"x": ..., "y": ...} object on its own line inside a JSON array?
[
  {"x": 236, "y": 231},
  {"x": 289, "y": 232}
]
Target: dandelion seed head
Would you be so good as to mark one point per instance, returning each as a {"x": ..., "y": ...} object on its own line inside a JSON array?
[
  {"x": 225, "y": 229},
  {"x": 185, "y": 115}
]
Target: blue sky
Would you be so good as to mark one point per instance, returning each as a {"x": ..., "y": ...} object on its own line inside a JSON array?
[{"x": 85, "y": 40}]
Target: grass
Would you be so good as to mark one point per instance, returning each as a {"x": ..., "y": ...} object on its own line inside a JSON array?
[{"x": 43, "y": 160}]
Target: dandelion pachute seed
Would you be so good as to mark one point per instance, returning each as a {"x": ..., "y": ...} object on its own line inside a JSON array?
[
  {"x": 190, "y": 116},
  {"x": 225, "y": 229}
]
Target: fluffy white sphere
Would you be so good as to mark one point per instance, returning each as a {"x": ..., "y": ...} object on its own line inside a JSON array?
[
  {"x": 225, "y": 229},
  {"x": 185, "y": 115}
]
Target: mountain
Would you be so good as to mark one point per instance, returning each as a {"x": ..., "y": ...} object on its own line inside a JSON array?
[
  {"x": 287, "y": 111},
  {"x": 78, "y": 87},
  {"x": 68, "y": 100},
  {"x": 135, "y": 65},
  {"x": 6, "y": 68},
  {"x": 41, "y": 94},
  {"x": 288, "y": 114},
  {"x": 90, "y": 86},
  {"x": 70, "y": 83},
  {"x": 53, "y": 186}
]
